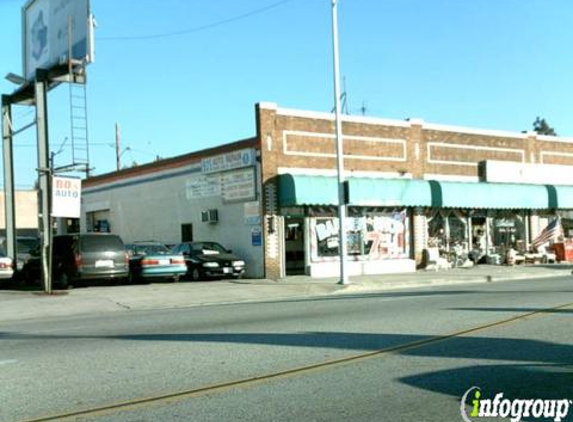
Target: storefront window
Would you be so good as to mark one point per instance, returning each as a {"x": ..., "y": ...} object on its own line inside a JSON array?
[
  {"x": 437, "y": 231},
  {"x": 457, "y": 224},
  {"x": 374, "y": 236},
  {"x": 385, "y": 235},
  {"x": 354, "y": 230},
  {"x": 567, "y": 223},
  {"x": 327, "y": 236},
  {"x": 508, "y": 231}
]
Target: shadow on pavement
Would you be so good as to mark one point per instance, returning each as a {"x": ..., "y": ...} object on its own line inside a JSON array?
[
  {"x": 527, "y": 368},
  {"x": 476, "y": 348},
  {"x": 515, "y": 381}
]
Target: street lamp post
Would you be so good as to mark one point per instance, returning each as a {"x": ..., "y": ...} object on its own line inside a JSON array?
[{"x": 339, "y": 150}]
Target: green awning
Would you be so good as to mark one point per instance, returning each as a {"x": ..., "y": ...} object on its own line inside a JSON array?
[
  {"x": 297, "y": 190},
  {"x": 389, "y": 192},
  {"x": 563, "y": 197},
  {"x": 489, "y": 195}
]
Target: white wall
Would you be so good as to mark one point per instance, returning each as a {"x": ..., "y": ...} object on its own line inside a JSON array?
[
  {"x": 26, "y": 210},
  {"x": 153, "y": 207},
  {"x": 389, "y": 266}
]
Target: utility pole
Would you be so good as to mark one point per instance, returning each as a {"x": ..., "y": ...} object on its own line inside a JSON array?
[
  {"x": 339, "y": 151},
  {"x": 117, "y": 148}
]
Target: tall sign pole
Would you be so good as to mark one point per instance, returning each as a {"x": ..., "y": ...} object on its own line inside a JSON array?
[
  {"x": 342, "y": 247},
  {"x": 9, "y": 193},
  {"x": 44, "y": 173}
]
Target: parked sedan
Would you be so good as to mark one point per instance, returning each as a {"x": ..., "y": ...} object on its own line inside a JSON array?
[
  {"x": 152, "y": 260},
  {"x": 210, "y": 260},
  {"x": 25, "y": 245},
  {"x": 6, "y": 266}
]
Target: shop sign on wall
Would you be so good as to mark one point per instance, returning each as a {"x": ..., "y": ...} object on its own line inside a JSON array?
[
  {"x": 232, "y": 160},
  {"x": 252, "y": 214},
  {"x": 256, "y": 236},
  {"x": 238, "y": 185},
  {"x": 233, "y": 186},
  {"x": 202, "y": 186}
]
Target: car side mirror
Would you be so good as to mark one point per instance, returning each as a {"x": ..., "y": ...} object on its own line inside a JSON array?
[{"x": 229, "y": 251}]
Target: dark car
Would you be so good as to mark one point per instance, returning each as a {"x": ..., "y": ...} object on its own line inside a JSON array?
[
  {"x": 207, "y": 260},
  {"x": 25, "y": 245},
  {"x": 81, "y": 257}
]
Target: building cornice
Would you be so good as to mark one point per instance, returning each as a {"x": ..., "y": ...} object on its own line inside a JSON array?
[
  {"x": 407, "y": 123},
  {"x": 169, "y": 163}
]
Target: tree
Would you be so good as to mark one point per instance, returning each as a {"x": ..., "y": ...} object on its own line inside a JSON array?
[{"x": 542, "y": 127}]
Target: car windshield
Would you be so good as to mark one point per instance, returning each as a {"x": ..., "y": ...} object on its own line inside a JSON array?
[
  {"x": 149, "y": 249},
  {"x": 27, "y": 245},
  {"x": 98, "y": 243},
  {"x": 209, "y": 248},
  {"x": 24, "y": 244}
]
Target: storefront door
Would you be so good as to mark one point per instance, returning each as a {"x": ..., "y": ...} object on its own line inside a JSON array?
[{"x": 294, "y": 245}]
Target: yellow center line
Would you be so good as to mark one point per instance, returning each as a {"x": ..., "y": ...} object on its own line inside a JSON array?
[{"x": 247, "y": 382}]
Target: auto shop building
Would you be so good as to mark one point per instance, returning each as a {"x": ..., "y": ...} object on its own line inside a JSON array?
[{"x": 411, "y": 185}]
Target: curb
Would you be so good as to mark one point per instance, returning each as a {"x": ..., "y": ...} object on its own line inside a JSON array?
[
  {"x": 108, "y": 303},
  {"x": 355, "y": 288}
]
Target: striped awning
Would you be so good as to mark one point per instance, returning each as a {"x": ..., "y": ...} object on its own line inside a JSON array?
[{"x": 298, "y": 190}]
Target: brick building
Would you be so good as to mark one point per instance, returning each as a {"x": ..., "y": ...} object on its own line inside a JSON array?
[{"x": 411, "y": 185}]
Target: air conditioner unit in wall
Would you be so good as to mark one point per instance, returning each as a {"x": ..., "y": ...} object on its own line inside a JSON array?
[{"x": 210, "y": 216}]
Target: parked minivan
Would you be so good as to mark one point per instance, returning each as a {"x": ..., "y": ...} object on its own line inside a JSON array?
[{"x": 84, "y": 256}]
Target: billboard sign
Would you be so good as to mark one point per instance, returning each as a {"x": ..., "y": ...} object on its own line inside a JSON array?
[
  {"x": 66, "y": 197},
  {"x": 47, "y": 27}
]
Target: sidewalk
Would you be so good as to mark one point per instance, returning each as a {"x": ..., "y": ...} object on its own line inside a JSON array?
[{"x": 20, "y": 305}]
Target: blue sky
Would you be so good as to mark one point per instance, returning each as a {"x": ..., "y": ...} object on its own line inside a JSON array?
[{"x": 481, "y": 63}]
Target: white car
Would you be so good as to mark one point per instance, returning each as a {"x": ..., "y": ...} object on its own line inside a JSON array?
[{"x": 6, "y": 267}]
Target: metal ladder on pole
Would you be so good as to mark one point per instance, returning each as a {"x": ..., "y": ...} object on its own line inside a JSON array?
[
  {"x": 78, "y": 112},
  {"x": 79, "y": 128}
]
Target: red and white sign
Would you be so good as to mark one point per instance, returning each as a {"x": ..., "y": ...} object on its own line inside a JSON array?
[{"x": 66, "y": 197}]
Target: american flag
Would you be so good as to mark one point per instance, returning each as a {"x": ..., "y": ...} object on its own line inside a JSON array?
[{"x": 550, "y": 232}]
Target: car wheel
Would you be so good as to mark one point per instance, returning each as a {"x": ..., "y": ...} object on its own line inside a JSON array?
[
  {"x": 136, "y": 278},
  {"x": 62, "y": 282},
  {"x": 28, "y": 278},
  {"x": 195, "y": 275}
]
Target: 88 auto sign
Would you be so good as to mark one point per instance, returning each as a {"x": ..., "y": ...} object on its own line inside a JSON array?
[{"x": 66, "y": 197}]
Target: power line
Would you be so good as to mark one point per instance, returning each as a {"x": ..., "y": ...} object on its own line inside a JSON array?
[{"x": 197, "y": 28}]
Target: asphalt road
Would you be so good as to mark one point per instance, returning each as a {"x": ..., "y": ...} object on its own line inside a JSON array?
[{"x": 396, "y": 356}]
